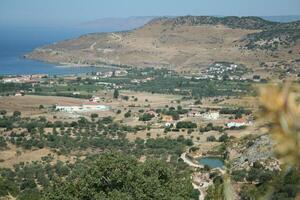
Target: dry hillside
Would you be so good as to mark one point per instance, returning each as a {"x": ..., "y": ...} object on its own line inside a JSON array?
[{"x": 185, "y": 43}]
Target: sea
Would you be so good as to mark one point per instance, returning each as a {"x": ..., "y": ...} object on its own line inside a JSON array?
[{"x": 15, "y": 42}]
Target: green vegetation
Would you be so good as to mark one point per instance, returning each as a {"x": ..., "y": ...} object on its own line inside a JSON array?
[
  {"x": 146, "y": 117},
  {"x": 29, "y": 181},
  {"x": 114, "y": 176},
  {"x": 252, "y": 23},
  {"x": 285, "y": 187},
  {"x": 161, "y": 81},
  {"x": 285, "y": 36},
  {"x": 186, "y": 124},
  {"x": 105, "y": 176},
  {"x": 172, "y": 83},
  {"x": 116, "y": 93},
  {"x": 238, "y": 112},
  {"x": 99, "y": 133},
  {"x": 211, "y": 127},
  {"x": 11, "y": 88}
]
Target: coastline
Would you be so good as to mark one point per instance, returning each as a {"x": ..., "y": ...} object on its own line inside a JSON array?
[{"x": 74, "y": 65}]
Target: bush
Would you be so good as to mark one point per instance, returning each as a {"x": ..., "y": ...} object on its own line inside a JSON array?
[
  {"x": 94, "y": 115},
  {"x": 17, "y": 114},
  {"x": 211, "y": 139},
  {"x": 239, "y": 175},
  {"x": 186, "y": 124},
  {"x": 146, "y": 117},
  {"x": 127, "y": 114},
  {"x": 224, "y": 138},
  {"x": 3, "y": 112},
  {"x": 116, "y": 94}
]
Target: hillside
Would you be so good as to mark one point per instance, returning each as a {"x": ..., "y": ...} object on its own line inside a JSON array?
[{"x": 186, "y": 43}]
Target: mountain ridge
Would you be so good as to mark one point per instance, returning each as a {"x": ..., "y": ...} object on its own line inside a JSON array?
[{"x": 188, "y": 42}]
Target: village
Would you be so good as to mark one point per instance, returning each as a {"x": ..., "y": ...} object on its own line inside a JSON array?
[
  {"x": 122, "y": 96},
  {"x": 133, "y": 108}
]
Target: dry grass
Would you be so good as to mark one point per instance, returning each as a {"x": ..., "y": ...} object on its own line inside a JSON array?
[
  {"x": 15, "y": 155},
  {"x": 184, "y": 47}
]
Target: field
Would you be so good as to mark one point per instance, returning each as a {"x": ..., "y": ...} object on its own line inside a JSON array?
[{"x": 153, "y": 114}]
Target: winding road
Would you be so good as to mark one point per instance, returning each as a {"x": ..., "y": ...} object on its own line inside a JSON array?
[
  {"x": 200, "y": 188},
  {"x": 189, "y": 162}
]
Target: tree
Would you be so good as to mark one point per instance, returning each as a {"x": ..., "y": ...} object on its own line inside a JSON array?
[
  {"x": 116, "y": 176},
  {"x": 116, "y": 94},
  {"x": 94, "y": 115},
  {"x": 186, "y": 124},
  {"x": 127, "y": 114},
  {"x": 224, "y": 138},
  {"x": 3, "y": 144},
  {"x": 146, "y": 117},
  {"x": 2, "y": 112},
  {"x": 211, "y": 139},
  {"x": 17, "y": 114},
  {"x": 7, "y": 187}
]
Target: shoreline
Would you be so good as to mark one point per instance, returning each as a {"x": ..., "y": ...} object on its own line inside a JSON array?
[{"x": 70, "y": 65}]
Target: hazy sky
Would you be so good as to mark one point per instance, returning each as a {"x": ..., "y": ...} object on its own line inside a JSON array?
[{"x": 60, "y": 12}]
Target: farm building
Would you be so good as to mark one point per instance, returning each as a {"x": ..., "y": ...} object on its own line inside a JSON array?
[{"x": 236, "y": 123}]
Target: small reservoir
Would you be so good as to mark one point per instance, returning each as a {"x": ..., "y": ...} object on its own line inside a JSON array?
[{"x": 212, "y": 162}]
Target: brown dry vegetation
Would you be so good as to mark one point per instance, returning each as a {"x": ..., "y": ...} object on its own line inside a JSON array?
[
  {"x": 14, "y": 155},
  {"x": 159, "y": 44}
]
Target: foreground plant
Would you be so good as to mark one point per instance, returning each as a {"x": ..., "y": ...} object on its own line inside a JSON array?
[
  {"x": 283, "y": 111},
  {"x": 281, "y": 107}
]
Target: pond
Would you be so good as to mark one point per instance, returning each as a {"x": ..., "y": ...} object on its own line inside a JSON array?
[{"x": 212, "y": 162}]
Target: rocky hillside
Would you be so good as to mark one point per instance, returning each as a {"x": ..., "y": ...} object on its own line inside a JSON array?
[
  {"x": 251, "y": 23},
  {"x": 253, "y": 149},
  {"x": 186, "y": 43}
]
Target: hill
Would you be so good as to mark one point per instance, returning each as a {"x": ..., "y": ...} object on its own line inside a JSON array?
[{"x": 188, "y": 43}]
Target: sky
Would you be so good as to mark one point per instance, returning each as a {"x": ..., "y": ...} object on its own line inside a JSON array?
[{"x": 71, "y": 12}]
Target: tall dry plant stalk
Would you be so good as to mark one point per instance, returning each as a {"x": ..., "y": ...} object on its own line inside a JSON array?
[{"x": 281, "y": 108}]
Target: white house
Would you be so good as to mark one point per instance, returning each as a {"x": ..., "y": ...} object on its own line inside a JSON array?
[
  {"x": 236, "y": 123},
  {"x": 68, "y": 108}
]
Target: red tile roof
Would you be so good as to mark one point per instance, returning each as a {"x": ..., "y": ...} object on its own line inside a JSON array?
[{"x": 237, "y": 121}]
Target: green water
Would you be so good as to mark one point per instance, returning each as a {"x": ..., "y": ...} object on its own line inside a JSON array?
[{"x": 212, "y": 162}]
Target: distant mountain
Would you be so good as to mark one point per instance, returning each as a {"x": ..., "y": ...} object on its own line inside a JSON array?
[
  {"x": 117, "y": 24},
  {"x": 285, "y": 18}
]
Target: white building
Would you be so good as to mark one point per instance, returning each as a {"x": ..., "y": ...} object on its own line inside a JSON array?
[
  {"x": 69, "y": 109},
  {"x": 211, "y": 115},
  {"x": 85, "y": 107},
  {"x": 236, "y": 123}
]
